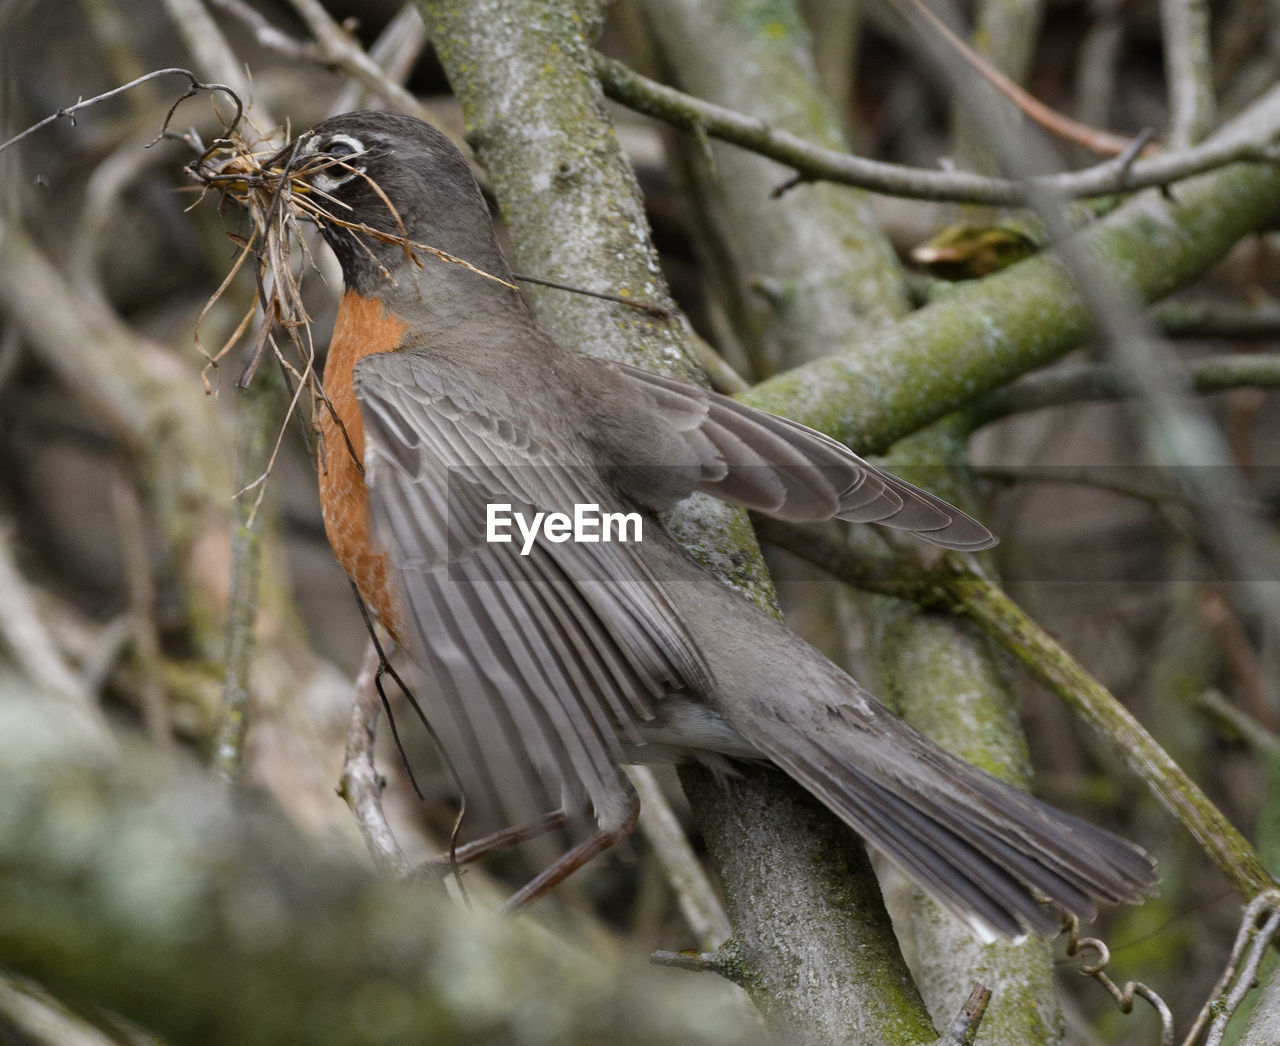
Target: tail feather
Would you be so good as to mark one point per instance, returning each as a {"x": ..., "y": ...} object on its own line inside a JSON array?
[
  {"x": 998, "y": 858},
  {"x": 1054, "y": 851}
]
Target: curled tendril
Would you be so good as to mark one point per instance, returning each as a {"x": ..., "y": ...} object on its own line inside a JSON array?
[
  {"x": 194, "y": 86},
  {"x": 1123, "y": 996}
]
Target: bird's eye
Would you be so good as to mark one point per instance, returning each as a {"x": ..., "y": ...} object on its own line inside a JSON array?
[
  {"x": 341, "y": 145},
  {"x": 333, "y": 161}
]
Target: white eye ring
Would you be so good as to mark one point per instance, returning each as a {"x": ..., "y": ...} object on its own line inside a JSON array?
[{"x": 340, "y": 172}]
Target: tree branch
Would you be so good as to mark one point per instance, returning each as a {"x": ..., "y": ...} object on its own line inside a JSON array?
[
  {"x": 1079, "y": 382},
  {"x": 1188, "y": 70},
  {"x": 224, "y": 924},
  {"x": 917, "y": 13},
  {"x": 814, "y": 163},
  {"x": 992, "y": 330},
  {"x": 337, "y": 48},
  {"x": 952, "y": 587}
]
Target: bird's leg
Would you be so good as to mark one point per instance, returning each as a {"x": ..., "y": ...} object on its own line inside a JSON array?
[
  {"x": 499, "y": 840},
  {"x": 604, "y": 837},
  {"x": 385, "y": 669}
]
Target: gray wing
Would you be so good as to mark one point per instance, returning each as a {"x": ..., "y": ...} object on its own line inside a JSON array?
[
  {"x": 534, "y": 661},
  {"x": 785, "y": 469}
]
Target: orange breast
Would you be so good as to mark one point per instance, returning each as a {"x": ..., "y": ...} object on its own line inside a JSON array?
[{"x": 363, "y": 327}]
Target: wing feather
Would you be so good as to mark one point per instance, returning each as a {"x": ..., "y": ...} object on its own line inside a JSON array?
[
  {"x": 541, "y": 657},
  {"x": 785, "y": 469}
]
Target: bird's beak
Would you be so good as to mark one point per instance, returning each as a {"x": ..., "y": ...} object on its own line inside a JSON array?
[
  {"x": 243, "y": 171},
  {"x": 278, "y": 165}
]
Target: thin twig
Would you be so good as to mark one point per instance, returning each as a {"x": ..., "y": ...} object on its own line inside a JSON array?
[
  {"x": 721, "y": 373},
  {"x": 385, "y": 668},
  {"x": 814, "y": 163},
  {"x": 1159, "y": 498},
  {"x": 964, "y": 1028},
  {"x": 195, "y": 87},
  {"x": 339, "y": 49},
  {"x": 202, "y": 37},
  {"x": 1079, "y": 382},
  {"x": 915, "y": 11},
  {"x": 1099, "y": 58},
  {"x": 694, "y": 893},
  {"x": 1188, "y": 319},
  {"x": 631, "y": 303},
  {"x": 267, "y": 35},
  {"x": 361, "y": 784},
  {"x": 395, "y": 52},
  {"x": 1217, "y": 1011},
  {"x": 695, "y": 962},
  {"x": 1241, "y": 657},
  {"x": 1257, "y": 736}
]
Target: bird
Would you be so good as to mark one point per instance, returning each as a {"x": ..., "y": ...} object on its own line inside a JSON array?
[{"x": 549, "y": 663}]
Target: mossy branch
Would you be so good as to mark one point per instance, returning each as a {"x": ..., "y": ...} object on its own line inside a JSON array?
[
  {"x": 145, "y": 890},
  {"x": 995, "y": 613},
  {"x": 950, "y": 586},
  {"x": 986, "y": 332}
]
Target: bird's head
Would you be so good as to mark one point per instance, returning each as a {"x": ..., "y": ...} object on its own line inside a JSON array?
[{"x": 382, "y": 187}]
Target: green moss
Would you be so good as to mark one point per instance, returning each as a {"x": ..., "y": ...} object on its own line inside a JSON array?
[{"x": 773, "y": 23}]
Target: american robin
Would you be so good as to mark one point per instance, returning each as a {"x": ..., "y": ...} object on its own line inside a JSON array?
[{"x": 552, "y": 659}]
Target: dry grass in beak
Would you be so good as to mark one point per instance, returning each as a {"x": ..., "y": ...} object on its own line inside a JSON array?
[
  {"x": 277, "y": 197},
  {"x": 240, "y": 175}
]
